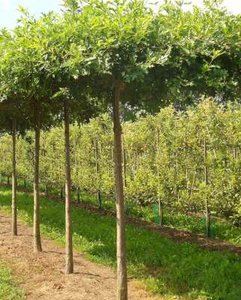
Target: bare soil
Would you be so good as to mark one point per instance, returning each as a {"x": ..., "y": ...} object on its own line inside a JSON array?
[{"x": 42, "y": 275}]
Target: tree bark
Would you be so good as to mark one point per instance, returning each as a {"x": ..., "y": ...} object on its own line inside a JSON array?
[
  {"x": 160, "y": 211},
  {"x": 78, "y": 195},
  {"x": 46, "y": 191},
  {"x": 62, "y": 193},
  {"x": 97, "y": 170},
  {"x": 207, "y": 209},
  {"x": 160, "y": 203},
  {"x": 124, "y": 162},
  {"x": 36, "y": 215},
  {"x": 69, "y": 268},
  {"x": 14, "y": 181},
  {"x": 120, "y": 214}
]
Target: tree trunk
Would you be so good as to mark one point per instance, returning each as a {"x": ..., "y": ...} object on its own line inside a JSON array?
[
  {"x": 99, "y": 198},
  {"x": 78, "y": 195},
  {"x": 62, "y": 193},
  {"x": 160, "y": 203},
  {"x": 46, "y": 191},
  {"x": 68, "y": 222},
  {"x": 120, "y": 215},
  {"x": 160, "y": 210},
  {"x": 14, "y": 181},
  {"x": 97, "y": 170},
  {"x": 36, "y": 215},
  {"x": 124, "y": 162},
  {"x": 207, "y": 209}
]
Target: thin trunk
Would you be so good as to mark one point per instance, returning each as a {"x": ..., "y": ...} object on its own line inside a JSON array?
[
  {"x": 68, "y": 222},
  {"x": 14, "y": 181},
  {"x": 124, "y": 162},
  {"x": 206, "y": 178},
  {"x": 62, "y": 193},
  {"x": 176, "y": 190},
  {"x": 160, "y": 211},
  {"x": 160, "y": 203},
  {"x": 78, "y": 194},
  {"x": 235, "y": 153},
  {"x": 97, "y": 170},
  {"x": 99, "y": 198},
  {"x": 36, "y": 216},
  {"x": 187, "y": 180},
  {"x": 235, "y": 157},
  {"x": 120, "y": 205},
  {"x": 25, "y": 184},
  {"x": 46, "y": 190},
  {"x": 193, "y": 184}
]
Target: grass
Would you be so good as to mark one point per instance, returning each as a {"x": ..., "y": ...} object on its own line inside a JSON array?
[
  {"x": 173, "y": 270},
  {"x": 8, "y": 289},
  {"x": 220, "y": 228}
]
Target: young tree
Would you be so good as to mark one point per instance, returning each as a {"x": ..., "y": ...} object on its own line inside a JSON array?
[
  {"x": 122, "y": 31},
  {"x": 25, "y": 73}
]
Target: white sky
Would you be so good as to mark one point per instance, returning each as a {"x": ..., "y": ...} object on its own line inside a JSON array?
[
  {"x": 234, "y": 6},
  {"x": 9, "y": 8}
]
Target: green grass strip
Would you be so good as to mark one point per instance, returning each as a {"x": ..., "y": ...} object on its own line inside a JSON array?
[{"x": 8, "y": 288}]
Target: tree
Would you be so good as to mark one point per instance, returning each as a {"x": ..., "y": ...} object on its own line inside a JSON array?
[
  {"x": 25, "y": 74},
  {"x": 122, "y": 31}
]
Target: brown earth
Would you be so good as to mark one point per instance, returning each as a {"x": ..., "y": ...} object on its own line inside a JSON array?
[{"x": 42, "y": 275}]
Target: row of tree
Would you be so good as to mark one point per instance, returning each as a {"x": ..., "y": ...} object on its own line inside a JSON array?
[
  {"x": 176, "y": 159},
  {"x": 97, "y": 54}
]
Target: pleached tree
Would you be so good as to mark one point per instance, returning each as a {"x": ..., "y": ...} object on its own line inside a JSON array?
[
  {"x": 120, "y": 35},
  {"x": 12, "y": 118},
  {"x": 24, "y": 73}
]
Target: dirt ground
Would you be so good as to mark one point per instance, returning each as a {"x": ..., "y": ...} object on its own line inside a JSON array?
[{"x": 42, "y": 275}]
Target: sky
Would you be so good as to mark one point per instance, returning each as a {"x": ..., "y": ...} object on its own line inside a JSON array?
[{"x": 9, "y": 8}]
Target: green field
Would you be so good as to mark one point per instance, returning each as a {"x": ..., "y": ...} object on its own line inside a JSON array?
[{"x": 165, "y": 267}]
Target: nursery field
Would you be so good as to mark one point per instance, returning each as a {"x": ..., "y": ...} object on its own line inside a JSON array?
[
  {"x": 167, "y": 268},
  {"x": 120, "y": 152}
]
